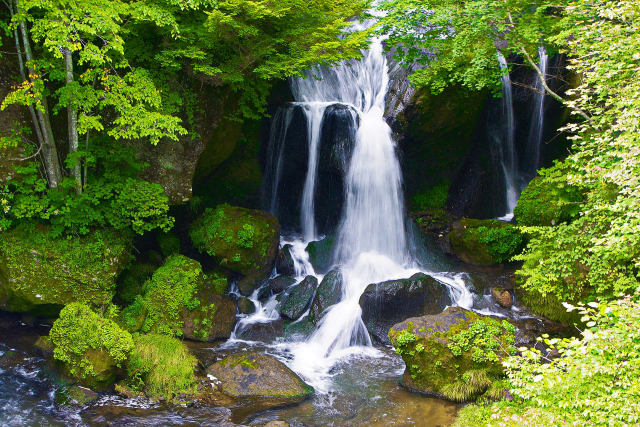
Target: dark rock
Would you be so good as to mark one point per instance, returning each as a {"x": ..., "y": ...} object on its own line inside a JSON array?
[
  {"x": 245, "y": 305},
  {"x": 74, "y": 395},
  {"x": 280, "y": 283},
  {"x": 329, "y": 293},
  {"x": 284, "y": 262},
  {"x": 297, "y": 300},
  {"x": 255, "y": 375},
  {"x": 263, "y": 332},
  {"x": 222, "y": 319},
  {"x": 321, "y": 253},
  {"x": 502, "y": 296},
  {"x": 384, "y": 304}
]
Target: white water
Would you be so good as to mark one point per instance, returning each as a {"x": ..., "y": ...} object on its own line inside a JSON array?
[
  {"x": 537, "y": 120},
  {"x": 508, "y": 156}
]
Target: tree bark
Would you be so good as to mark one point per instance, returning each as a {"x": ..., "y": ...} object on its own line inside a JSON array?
[
  {"x": 49, "y": 150},
  {"x": 72, "y": 123}
]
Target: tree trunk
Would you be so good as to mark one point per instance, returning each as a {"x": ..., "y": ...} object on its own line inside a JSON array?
[
  {"x": 49, "y": 150},
  {"x": 72, "y": 123}
]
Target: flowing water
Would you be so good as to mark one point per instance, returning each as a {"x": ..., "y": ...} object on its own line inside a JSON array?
[
  {"x": 507, "y": 149},
  {"x": 536, "y": 131}
]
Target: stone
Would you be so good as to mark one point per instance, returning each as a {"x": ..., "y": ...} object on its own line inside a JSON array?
[
  {"x": 321, "y": 253},
  {"x": 386, "y": 303},
  {"x": 502, "y": 296},
  {"x": 245, "y": 305},
  {"x": 298, "y": 298},
  {"x": 280, "y": 283},
  {"x": 454, "y": 355},
  {"x": 241, "y": 240},
  {"x": 40, "y": 273},
  {"x": 328, "y": 293},
  {"x": 284, "y": 261},
  {"x": 255, "y": 375}
]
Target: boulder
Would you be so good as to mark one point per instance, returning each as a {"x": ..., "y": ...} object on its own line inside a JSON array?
[
  {"x": 298, "y": 298},
  {"x": 485, "y": 241},
  {"x": 245, "y": 305},
  {"x": 40, "y": 273},
  {"x": 244, "y": 241},
  {"x": 456, "y": 354},
  {"x": 387, "y": 303},
  {"x": 255, "y": 375},
  {"x": 177, "y": 301},
  {"x": 321, "y": 253},
  {"x": 88, "y": 347},
  {"x": 284, "y": 262},
  {"x": 545, "y": 203},
  {"x": 280, "y": 283},
  {"x": 502, "y": 296},
  {"x": 329, "y": 293}
]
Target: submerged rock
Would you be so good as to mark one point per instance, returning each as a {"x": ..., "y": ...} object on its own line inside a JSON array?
[
  {"x": 177, "y": 301},
  {"x": 40, "y": 273},
  {"x": 329, "y": 293},
  {"x": 485, "y": 241},
  {"x": 456, "y": 354},
  {"x": 297, "y": 300},
  {"x": 255, "y": 375},
  {"x": 284, "y": 262},
  {"x": 386, "y": 303},
  {"x": 242, "y": 240}
]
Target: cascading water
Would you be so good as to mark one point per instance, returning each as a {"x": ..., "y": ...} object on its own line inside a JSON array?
[
  {"x": 536, "y": 132},
  {"x": 507, "y": 149}
]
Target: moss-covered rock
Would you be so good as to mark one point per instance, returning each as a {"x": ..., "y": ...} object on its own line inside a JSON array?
[
  {"x": 242, "y": 240},
  {"x": 250, "y": 374},
  {"x": 321, "y": 253},
  {"x": 545, "y": 202},
  {"x": 485, "y": 241},
  {"x": 548, "y": 306},
  {"x": 298, "y": 299},
  {"x": 89, "y": 347},
  {"x": 169, "y": 243},
  {"x": 328, "y": 293},
  {"x": 131, "y": 280},
  {"x": 456, "y": 354},
  {"x": 40, "y": 273},
  {"x": 161, "y": 367},
  {"x": 178, "y": 301}
]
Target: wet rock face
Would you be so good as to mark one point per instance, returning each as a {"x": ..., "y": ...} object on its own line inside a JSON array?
[
  {"x": 328, "y": 294},
  {"x": 297, "y": 300},
  {"x": 280, "y": 284},
  {"x": 386, "y": 303},
  {"x": 321, "y": 253},
  {"x": 284, "y": 262},
  {"x": 245, "y": 305},
  {"x": 255, "y": 375},
  {"x": 502, "y": 296},
  {"x": 455, "y": 354}
]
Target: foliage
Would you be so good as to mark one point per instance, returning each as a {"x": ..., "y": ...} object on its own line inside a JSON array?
[
  {"x": 161, "y": 366},
  {"x": 114, "y": 197},
  {"x": 594, "y": 381},
  {"x": 78, "y": 331},
  {"x": 434, "y": 198},
  {"x": 485, "y": 242},
  {"x": 480, "y": 339}
]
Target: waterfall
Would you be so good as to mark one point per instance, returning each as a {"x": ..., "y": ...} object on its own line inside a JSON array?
[
  {"x": 536, "y": 132},
  {"x": 507, "y": 149}
]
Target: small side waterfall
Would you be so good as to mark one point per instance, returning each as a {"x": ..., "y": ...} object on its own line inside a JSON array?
[
  {"x": 534, "y": 143},
  {"x": 508, "y": 155}
]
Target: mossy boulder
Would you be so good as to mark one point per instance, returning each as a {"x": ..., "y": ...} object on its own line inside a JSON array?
[
  {"x": 242, "y": 240},
  {"x": 386, "y": 303},
  {"x": 298, "y": 298},
  {"x": 131, "y": 280},
  {"x": 546, "y": 202},
  {"x": 455, "y": 355},
  {"x": 485, "y": 241},
  {"x": 321, "y": 253},
  {"x": 328, "y": 293},
  {"x": 178, "y": 301},
  {"x": 40, "y": 273},
  {"x": 161, "y": 367},
  {"x": 255, "y": 375},
  {"x": 548, "y": 305},
  {"x": 89, "y": 347}
]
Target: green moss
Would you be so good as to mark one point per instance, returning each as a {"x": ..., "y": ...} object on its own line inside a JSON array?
[
  {"x": 547, "y": 202},
  {"x": 161, "y": 366},
  {"x": 548, "y": 306},
  {"x": 485, "y": 241},
  {"x": 90, "y": 347},
  {"x": 169, "y": 244},
  {"x": 242, "y": 240},
  {"x": 131, "y": 280},
  {"x": 43, "y": 273},
  {"x": 433, "y": 198},
  {"x": 459, "y": 361}
]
